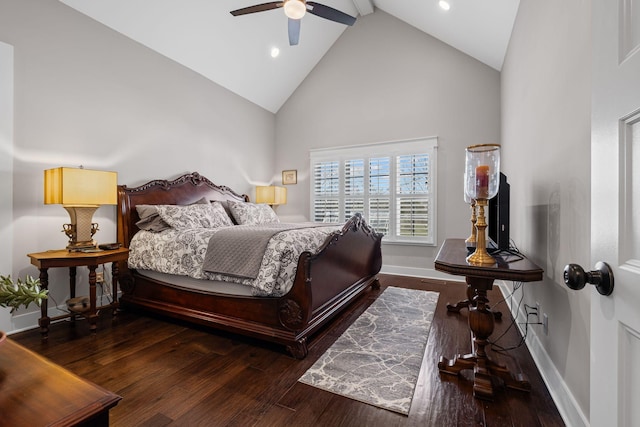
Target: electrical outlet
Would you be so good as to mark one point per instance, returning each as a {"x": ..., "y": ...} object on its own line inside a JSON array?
[
  {"x": 99, "y": 277},
  {"x": 545, "y": 324}
]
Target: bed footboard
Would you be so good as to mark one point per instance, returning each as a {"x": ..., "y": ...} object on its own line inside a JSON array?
[{"x": 331, "y": 279}]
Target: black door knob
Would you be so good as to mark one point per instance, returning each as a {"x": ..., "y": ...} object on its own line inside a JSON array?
[{"x": 602, "y": 277}]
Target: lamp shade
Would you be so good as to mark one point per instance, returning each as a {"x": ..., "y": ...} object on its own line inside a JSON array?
[
  {"x": 80, "y": 187},
  {"x": 482, "y": 171},
  {"x": 271, "y": 195}
]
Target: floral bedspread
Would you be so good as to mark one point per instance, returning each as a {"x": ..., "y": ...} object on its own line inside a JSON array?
[{"x": 182, "y": 252}]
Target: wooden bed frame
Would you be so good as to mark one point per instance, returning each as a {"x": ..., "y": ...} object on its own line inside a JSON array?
[{"x": 325, "y": 283}]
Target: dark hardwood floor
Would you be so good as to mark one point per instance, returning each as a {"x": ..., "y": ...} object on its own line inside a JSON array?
[{"x": 174, "y": 374}]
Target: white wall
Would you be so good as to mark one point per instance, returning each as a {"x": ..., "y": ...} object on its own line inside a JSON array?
[
  {"x": 6, "y": 169},
  {"x": 85, "y": 94},
  {"x": 383, "y": 80},
  {"x": 546, "y": 110}
]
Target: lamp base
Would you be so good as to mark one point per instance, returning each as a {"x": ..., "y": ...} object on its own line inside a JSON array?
[
  {"x": 81, "y": 230},
  {"x": 481, "y": 256}
]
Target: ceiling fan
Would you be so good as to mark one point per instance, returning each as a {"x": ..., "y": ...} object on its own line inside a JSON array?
[{"x": 295, "y": 10}]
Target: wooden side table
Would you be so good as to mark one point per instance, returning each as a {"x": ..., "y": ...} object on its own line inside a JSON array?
[
  {"x": 452, "y": 259},
  {"x": 64, "y": 258},
  {"x": 37, "y": 392}
]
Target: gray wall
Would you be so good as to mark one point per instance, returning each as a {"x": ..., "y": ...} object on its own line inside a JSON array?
[
  {"x": 383, "y": 80},
  {"x": 546, "y": 110},
  {"x": 6, "y": 167},
  {"x": 85, "y": 94}
]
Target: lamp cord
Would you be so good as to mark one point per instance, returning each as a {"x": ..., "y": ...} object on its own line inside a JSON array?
[{"x": 529, "y": 311}]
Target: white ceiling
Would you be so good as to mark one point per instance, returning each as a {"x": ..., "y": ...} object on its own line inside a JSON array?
[{"x": 235, "y": 51}]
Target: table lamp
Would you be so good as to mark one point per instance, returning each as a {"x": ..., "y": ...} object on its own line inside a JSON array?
[
  {"x": 80, "y": 191},
  {"x": 482, "y": 171},
  {"x": 271, "y": 195}
]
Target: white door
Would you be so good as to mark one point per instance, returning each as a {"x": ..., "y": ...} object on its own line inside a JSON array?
[{"x": 615, "y": 212}]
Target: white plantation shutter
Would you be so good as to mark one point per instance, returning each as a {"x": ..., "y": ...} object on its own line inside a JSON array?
[
  {"x": 379, "y": 193},
  {"x": 326, "y": 191},
  {"x": 353, "y": 187},
  {"x": 412, "y": 186},
  {"x": 391, "y": 184},
  {"x": 413, "y": 217}
]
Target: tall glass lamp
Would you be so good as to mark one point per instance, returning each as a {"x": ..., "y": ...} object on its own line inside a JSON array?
[
  {"x": 471, "y": 240},
  {"x": 482, "y": 168}
]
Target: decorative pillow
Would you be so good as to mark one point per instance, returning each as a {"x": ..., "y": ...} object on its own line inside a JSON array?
[
  {"x": 194, "y": 216},
  {"x": 225, "y": 205},
  {"x": 150, "y": 219},
  {"x": 251, "y": 213}
]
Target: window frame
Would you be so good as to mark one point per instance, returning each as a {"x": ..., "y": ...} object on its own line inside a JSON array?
[{"x": 393, "y": 150}]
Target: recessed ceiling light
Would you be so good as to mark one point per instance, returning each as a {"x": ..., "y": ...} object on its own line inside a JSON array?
[
  {"x": 275, "y": 52},
  {"x": 444, "y": 5}
]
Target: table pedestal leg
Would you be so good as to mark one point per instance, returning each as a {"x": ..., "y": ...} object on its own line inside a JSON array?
[
  {"x": 44, "y": 320},
  {"x": 93, "y": 315},
  {"x": 466, "y": 303},
  {"x": 114, "y": 288},
  {"x": 481, "y": 323}
]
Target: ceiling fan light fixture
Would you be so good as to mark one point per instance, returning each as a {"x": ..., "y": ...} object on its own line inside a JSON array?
[{"x": 294, "y": 9}]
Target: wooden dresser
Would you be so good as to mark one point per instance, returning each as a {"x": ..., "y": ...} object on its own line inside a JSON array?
[{"x": 37, "y": 392}]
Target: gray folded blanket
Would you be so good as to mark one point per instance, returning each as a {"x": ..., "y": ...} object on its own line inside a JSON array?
[{"x": 238, "y": 250}]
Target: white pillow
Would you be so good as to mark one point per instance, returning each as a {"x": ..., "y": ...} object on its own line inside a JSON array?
[
  {"x": 150, "y": 219},
  {"x": 252, "y": 214},
  {"x": 194, "y": 216}
]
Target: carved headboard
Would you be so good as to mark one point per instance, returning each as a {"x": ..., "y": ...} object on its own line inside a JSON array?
[{"x": 187, "y": 189}]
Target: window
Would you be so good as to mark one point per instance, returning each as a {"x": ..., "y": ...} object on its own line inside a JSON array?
[{"x": 391, "y": 184}]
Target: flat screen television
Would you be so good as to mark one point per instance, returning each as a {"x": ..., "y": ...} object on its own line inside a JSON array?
[{"x": 498, "y": 222}]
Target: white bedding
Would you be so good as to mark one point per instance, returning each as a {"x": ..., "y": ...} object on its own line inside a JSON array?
[{"x": 182, "y": 252}]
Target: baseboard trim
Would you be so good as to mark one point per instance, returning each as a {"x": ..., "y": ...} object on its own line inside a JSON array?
[{"x": 566, "y": 403}]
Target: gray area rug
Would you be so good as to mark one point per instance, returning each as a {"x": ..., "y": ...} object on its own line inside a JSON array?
[{"x": 378, "y": 358}]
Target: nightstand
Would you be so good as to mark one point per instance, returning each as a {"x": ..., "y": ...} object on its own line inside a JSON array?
[{"x": 91, "y": 260}]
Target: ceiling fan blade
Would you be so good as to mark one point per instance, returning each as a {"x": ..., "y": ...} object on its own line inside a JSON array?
[
  {"x": 330, "y": 13},
  {"x": 294, "y": 31},
  {"x": 257, "y": 8}
]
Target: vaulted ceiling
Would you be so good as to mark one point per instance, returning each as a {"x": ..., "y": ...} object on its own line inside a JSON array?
[{"x": 235, "y": 52}]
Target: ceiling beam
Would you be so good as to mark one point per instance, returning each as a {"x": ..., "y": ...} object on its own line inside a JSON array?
[{"x": 364, "y": 7}]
